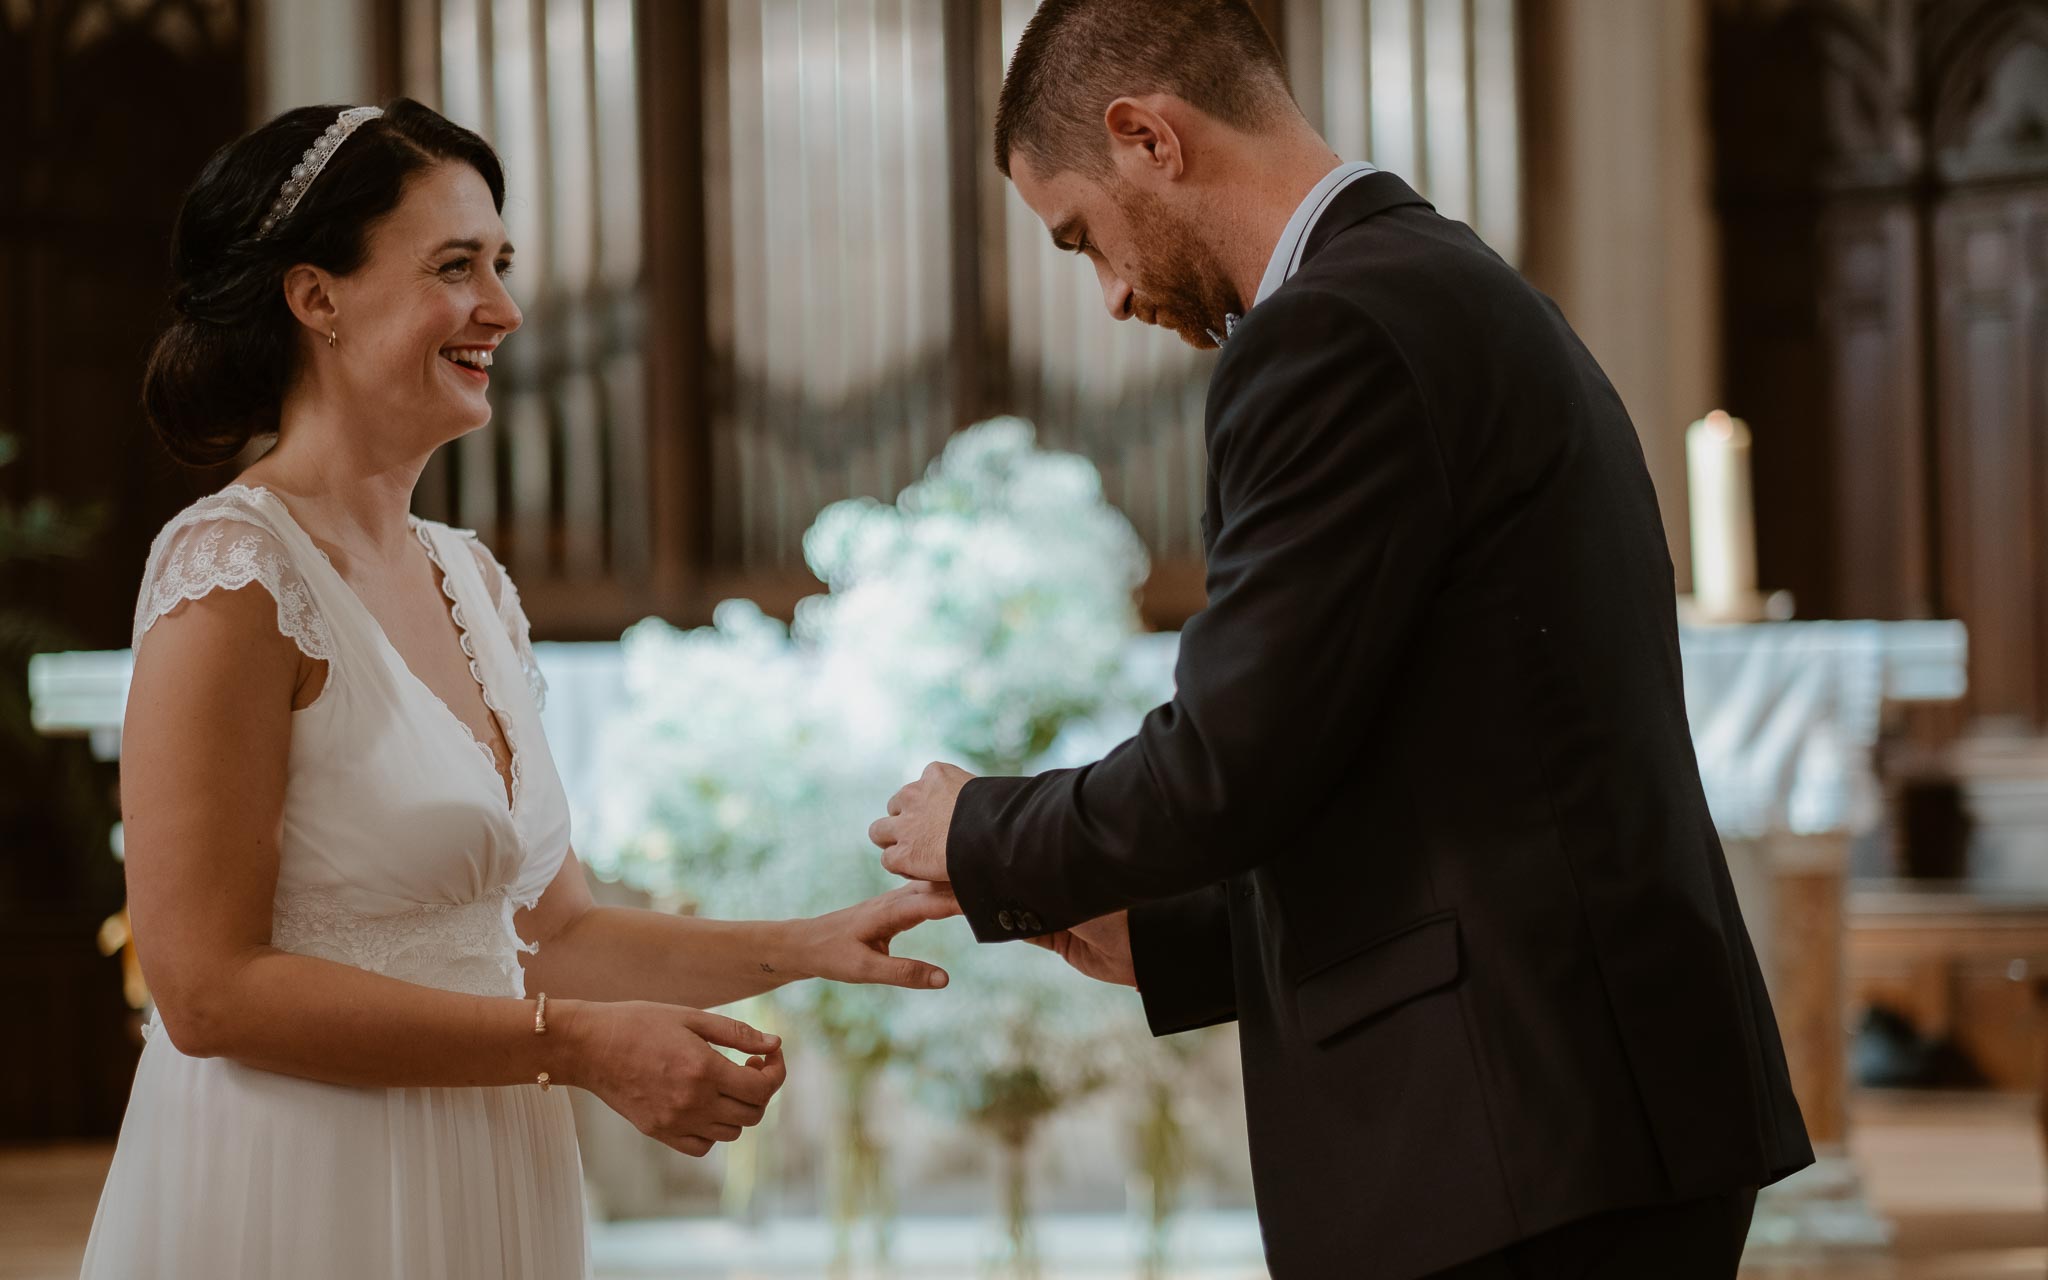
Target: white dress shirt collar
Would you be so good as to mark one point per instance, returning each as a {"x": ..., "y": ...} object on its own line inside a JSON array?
[{"x": 1286, "y": 259}]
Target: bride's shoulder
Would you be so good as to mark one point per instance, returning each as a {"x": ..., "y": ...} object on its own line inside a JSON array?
[
  {"x": 244, "y": 505},
  {"x": 224, "y": 542}
]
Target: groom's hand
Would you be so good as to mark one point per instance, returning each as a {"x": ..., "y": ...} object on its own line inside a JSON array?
[
  {"x": 1100, "y": 948},
  {"x": 913, "y": 837}
]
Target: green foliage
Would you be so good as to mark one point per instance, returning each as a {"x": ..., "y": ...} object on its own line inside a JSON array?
[{"x": 52, "y": 795}]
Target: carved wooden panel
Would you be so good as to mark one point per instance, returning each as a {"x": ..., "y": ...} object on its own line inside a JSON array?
[
  {"x": 1815, "y": 267},
  {"x": 107, "y": 112},
  {"x": 1875, "y": 463},
  {"x": 1992, "y": 370},
  {"x": 1888, "y": 161},
  {"x": 1985, "y": 79},
  {"x": 1776, "y": 371}
]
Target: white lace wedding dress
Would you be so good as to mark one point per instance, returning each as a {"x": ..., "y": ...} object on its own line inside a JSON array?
[{"x": 402, "y": 854}]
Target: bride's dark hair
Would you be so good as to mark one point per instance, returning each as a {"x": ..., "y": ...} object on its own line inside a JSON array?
[{"x": 217, "y": 376}]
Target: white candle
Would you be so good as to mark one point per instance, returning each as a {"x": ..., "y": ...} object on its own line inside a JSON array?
[{"x": 1723, "y": 521}]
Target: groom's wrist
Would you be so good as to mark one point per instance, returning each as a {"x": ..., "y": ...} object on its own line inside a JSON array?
[{"x": 973, "y": 856}]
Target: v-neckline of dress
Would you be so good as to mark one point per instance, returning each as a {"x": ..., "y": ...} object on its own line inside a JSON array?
[{"x": 507, "y": 786}]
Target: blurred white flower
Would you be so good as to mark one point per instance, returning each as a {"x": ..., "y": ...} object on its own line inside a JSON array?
[
  {"x": 990, "y": 605},
  {"x": 985, "y": 616}
]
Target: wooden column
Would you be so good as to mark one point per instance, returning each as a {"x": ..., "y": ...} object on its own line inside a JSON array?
[
  {"x": 1792, "y": 891},
  {"x": 1793, "y": 894},
  {"x": 672, "y": 61},
  {"x": 1807, "y": 988},
  {"x": 1618, "y": 224},
  {"x": 981, "y": 298},
  {"x": 2037, "y": 985}
]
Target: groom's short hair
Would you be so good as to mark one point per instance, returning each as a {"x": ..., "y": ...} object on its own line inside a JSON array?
[{"x": 1078, "y": 56}]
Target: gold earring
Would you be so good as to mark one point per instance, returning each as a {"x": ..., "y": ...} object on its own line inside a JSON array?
[{"x": 331, "y": 337}]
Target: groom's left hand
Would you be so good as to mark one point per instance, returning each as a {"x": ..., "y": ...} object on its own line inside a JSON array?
[{"x": 913, "y": 837}]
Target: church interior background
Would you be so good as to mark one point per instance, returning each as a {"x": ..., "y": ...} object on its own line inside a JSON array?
[{"x": 767, "y": 266}]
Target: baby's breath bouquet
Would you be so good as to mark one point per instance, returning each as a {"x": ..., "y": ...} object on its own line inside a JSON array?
[
  {"x": 741, "y": 786},
  {"x": 698, "y": 780},
  {"x": 985, "y": 616},
  {"x": 992, "y": 606},
  {"x": 989, "y": 606}
]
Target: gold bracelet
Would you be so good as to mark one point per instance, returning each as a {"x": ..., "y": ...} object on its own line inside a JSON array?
[{"x": 540, "y": 1027}]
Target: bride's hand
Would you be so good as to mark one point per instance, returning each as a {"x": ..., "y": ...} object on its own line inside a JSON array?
[
  {"x": 852, "y": 944},
  {"x": 654, "y": 1064}
]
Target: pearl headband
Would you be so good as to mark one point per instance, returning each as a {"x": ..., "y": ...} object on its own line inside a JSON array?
[{"x": 311, "y": 163}]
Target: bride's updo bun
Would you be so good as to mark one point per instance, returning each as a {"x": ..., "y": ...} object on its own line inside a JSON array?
[{"x": 217, "y": 376}]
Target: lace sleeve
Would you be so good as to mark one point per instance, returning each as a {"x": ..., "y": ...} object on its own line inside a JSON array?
[
  {"x": 215, "y": 551},
  {"x": 513, "y": 617}
]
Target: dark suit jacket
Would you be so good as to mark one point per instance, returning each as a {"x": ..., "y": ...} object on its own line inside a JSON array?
[{"x": 1423, "y": 815}]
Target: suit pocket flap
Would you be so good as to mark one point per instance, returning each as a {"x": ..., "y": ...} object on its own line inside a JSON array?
[{"x": 1344, "y": 993}]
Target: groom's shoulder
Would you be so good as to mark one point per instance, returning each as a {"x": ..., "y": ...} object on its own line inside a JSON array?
[
  {"x": 1367, "y": 288},
  {"x": 1401, "y": 260},
  {"x": 1304, "y": 322},
  {"x": 1299, "y": 345},
  {"x": 1433, "y": 289},
  {"x": 1298, "y": 348}
]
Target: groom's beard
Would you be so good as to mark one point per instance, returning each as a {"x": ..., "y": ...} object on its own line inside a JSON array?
[{"x": 1181, "y": 291}]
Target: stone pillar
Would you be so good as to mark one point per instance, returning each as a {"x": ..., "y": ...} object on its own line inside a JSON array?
[
  {"x": 1620, "y": 228},
  {"x": 311, "y": 53}
]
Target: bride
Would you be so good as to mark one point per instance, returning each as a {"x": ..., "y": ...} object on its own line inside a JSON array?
[{"x": 373, "y": 952}]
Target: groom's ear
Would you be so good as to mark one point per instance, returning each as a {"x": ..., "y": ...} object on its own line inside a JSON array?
[{"x": 1142, "y": 138}]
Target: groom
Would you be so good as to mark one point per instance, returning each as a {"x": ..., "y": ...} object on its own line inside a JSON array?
[{"x": 1423, "y": 817}]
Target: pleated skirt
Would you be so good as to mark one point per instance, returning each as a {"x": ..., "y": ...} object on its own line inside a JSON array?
[{"x": 225, "y": 1172}]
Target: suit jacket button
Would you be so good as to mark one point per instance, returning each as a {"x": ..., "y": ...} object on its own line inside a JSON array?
[
  {"x": 1006, "y": 920},
  {"x": 1030, "y": 923}
]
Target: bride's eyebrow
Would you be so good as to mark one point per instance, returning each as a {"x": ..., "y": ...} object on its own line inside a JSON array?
[{"x": 473, "y": 246}]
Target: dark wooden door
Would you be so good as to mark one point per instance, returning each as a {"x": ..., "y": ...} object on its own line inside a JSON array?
[
  {"x": 1991, "y": 429},
  {"x": 107, "y": 112},
  {"x": 1882, "y": 173}
]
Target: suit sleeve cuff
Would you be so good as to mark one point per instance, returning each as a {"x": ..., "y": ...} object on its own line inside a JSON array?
[
  {"x": 976, "y": 849},
  {"x": 1181, "y": 952}
]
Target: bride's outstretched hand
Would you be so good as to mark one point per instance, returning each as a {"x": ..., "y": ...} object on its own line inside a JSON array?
[{"x": 852, "y": 944}]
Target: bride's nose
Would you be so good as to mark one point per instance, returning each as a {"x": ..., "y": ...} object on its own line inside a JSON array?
[{"x": 497, "y": 309}]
